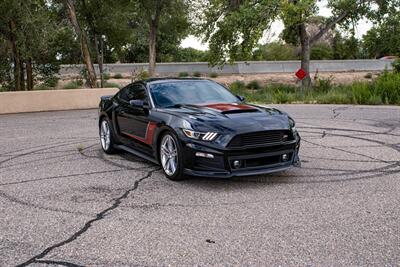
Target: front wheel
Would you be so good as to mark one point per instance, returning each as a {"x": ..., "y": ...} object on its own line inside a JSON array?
[
  {"x": 171, "y": 157},
  {"x": 106, "y": 136}
]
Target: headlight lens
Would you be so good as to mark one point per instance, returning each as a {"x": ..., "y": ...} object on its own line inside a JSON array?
[
  {"x": 292, "y": 124},
  {"x": 208, "y": 136}
]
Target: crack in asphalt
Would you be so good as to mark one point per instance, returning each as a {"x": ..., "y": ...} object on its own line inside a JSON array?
[
  {"x": 61, "y": 263},
  {"x": 38, "y": 150},
  {"x": 67, "y": 176},
  {"x": 336, "y": 113},
  {"x": 13, "y": 199},
  {"x": 99, "y": 216}
]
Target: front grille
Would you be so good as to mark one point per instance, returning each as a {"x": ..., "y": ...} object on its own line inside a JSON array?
[{"x": 260, "y": 138}]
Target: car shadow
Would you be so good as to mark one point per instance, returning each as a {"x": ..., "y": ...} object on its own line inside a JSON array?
[{"x": 284, "y": 177}]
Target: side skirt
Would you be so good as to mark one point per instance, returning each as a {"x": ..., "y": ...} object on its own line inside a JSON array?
[{"x": 137, "y": 153}]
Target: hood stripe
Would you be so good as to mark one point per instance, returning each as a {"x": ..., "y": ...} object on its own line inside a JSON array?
[{"x": 229, "y": 107}]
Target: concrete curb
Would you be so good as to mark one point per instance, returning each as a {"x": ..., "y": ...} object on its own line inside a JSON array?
[{"x": 51, "y": 100}]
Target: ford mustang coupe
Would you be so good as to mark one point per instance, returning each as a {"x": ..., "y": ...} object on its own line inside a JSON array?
[{"x": 197, "y": 127}]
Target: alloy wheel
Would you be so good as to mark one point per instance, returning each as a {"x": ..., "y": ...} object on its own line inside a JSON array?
[
  {"x": 169, "y": 155},
  {"x": 105, "y": 135}
]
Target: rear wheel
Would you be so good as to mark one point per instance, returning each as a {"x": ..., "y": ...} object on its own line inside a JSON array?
[
  {"x": 106, "y": 136},
  {"x": 171, "y": 157}
]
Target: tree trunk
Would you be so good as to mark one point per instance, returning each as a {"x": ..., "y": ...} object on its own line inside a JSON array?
[
  {"x": 152, "y": 47},
  {"x": 99, "y": 56},
  {"x": 84, "y": 43},
  {"x": 305, "y": 55},
  {"x": 22, "y": 68},
  {"x": 16, "y": 58},
  {"x": 29, "y": 75}
]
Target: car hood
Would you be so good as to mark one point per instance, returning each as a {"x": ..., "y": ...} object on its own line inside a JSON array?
[{"x": 237, "y": 118}]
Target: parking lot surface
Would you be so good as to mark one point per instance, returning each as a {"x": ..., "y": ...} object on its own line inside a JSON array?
[{"x": 64, "y": 202}]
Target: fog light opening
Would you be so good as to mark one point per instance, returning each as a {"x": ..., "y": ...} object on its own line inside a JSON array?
[
  {"x": 285, "y": 157},
  {"x": 237, "y": 164},
  {"x": 204, "y": 155}
]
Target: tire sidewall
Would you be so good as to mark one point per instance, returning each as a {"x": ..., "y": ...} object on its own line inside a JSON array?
[
  {"x": 110, "y": 149},
  {"x": 179, "y": 173}
]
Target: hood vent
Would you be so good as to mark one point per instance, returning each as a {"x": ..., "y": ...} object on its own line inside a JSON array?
[{"x": 236, "y": 111}]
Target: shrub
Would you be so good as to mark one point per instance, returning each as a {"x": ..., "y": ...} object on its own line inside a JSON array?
[
  {"x": 213, "y": 75},
  {"x": 334, "y": 97},
  {"x": 110, "y": 85},
  {"x": 282, "y": 97},
  {"x": 42, "y": 87},
  {"x": 282, "y": 87},
  {"x": 361, "y": 93},
  {"x": 118, "y": 76},
  {"x": 183, "y": 74},
  {"x": 396, "y": 65},
  {"x": 254, "y": 84},
  {"x": 368, "y": 76},
  {"x": 237, "y": 85},
  {"x": 106, "y": 76},
  {"x": 387, "y": 86},
  {"x": 51, "y": 81},
  {"x": 142, "y": 75},
  {"x": 75, "y": 84},
  {"x": 196, "y": 74},
  {"x": 323, "y": 85}
]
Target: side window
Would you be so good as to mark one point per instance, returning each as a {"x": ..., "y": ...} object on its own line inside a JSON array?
[
  {"x": 137, "y": 92},
  {"x": 123, "y": 94},
  {"x": 133, "y": 91}
]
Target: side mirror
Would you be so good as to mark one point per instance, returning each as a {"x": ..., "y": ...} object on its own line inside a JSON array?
[
  {"x": 137, "y": 103},
  {"x": 241, "y": 98}
]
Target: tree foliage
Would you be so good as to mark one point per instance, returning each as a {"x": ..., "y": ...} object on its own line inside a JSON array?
[
  {"x": 384, "y": 38},
  {"x": 233, "y": 28},
  {"x": 27, "y": 32}
]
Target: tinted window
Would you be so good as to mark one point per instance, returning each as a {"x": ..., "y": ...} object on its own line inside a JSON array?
[
  {"x": 133, "y": 91},
  {"x": 167, "y": 94}
]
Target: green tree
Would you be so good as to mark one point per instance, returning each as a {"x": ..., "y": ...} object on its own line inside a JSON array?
[
  {"x": 346, "y": 48},
  {"x": 190, "y": 55},
  {"x": 171, "y": 15},
  {"x": 275, "y": 51},
  {"x": 27, "y": 27},
  {"x": 83, "y": 39},
  {"x": 384, "y": 38},
  {"x": 321, "y": 52},
  {"x": 234, "y": 27}
]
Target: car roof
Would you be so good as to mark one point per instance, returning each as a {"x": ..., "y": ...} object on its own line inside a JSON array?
[{"x": 171, "y": 79}]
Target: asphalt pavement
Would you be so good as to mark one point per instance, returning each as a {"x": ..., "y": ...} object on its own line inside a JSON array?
[{"x": 63, "y": 202}]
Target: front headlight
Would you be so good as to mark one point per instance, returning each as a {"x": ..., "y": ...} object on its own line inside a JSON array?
[
  {"x": 208, "y": 136},
  {"x": 292, "y": 124}
]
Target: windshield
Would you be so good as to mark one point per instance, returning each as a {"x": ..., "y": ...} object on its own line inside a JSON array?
[{"x": 195, "y": 92}]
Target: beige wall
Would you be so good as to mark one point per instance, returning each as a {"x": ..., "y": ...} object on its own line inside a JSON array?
[{"x": 15, "y": 102}]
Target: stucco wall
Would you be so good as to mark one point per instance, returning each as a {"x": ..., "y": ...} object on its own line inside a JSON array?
[{"x": 31, "y": 101}]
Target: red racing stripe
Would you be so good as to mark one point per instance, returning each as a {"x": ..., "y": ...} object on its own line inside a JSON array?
[
  {"x": 151, "y": 127},
  {"x": 229, "y": 107}
]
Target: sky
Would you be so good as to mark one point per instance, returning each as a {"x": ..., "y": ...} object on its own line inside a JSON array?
[{"x": 277, "y": 27}]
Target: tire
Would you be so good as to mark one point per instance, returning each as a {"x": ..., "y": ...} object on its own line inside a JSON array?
[
  {"x": 171, "y": 157},
  {"x": 106, "y": 136}
]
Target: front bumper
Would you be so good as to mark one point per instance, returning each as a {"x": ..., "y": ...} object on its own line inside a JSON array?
[{"x": 254, "y": 161}]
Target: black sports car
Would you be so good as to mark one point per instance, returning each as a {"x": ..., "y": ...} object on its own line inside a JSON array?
[{"x": 197, "y": 127}]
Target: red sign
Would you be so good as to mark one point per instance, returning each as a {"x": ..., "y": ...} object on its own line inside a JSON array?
[{"x": 301, "y": 74}]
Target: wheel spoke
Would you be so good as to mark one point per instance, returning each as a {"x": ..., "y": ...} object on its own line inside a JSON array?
[
  {"x": 172, "y": 165},
  {"x": 164, "y": 149},
  {"x": 169, "y": 155}
]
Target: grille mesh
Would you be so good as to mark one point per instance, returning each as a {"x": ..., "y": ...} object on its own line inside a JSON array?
[{"x": 260, "y": 138}]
